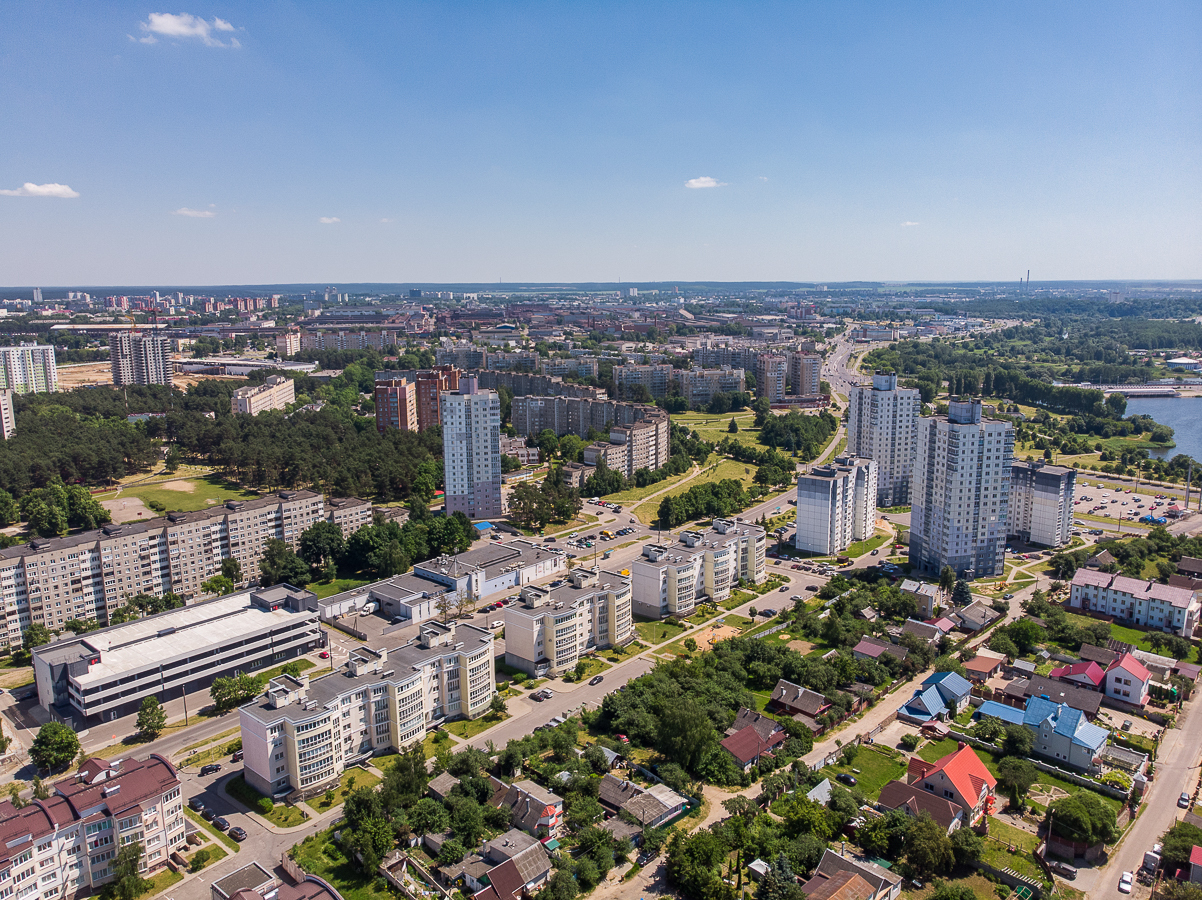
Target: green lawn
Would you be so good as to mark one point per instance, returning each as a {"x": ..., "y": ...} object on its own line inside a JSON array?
[
  {"x": 877, "y": 768},
  {"x": 337, "y": 586},
  {"x": 469, "y": 728},
  {"x": 638, "y": 493},
  {"x": 362, "y": 779},
  {"x": 319, "y": 855},
  {"x": 859, "y": 548},
  {"x": 304, "y": 664},
  {"x": 1131, "y": 636},
  {"x": 213, "y": 753},
  {"x": 206, "y": 492},
  {"x": 161, "y": 881},
  {"x": 658, "y": 632},
  {"x": 281, "y": 814}
]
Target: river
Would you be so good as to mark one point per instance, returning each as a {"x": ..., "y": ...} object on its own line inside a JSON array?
[{"x": 1182, "y": 414}]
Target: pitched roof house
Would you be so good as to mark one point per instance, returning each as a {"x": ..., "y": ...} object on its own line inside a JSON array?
[
  {"x": 791, "y": 698},
  {"x": 1127, "y": 679},
  {"x": 1086, "y": 673},
  {"x": 765, "y": 726},
  {"x": 922, "y": 630},
  {"x": 833, "y": 867},
  {"x": 982, "y": 668},
  {"x": 938, "y": 692},
  {"x": 747, "y": 746},
  {"x": 1063, "y": 733},
  {"x": 960, "y": 777},
  {"x": 914, "y": 800},
  {"x": 1089, "y": 702},
  {"x": 872, "y": 648},
  {"x": 1103, "y": 656},
  {"x": 533, "y": 807}
]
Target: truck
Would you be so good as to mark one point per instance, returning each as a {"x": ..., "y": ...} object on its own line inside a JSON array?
[
  {"x": 369, "y": 608},
  {"x": 1152, "y": 859}
]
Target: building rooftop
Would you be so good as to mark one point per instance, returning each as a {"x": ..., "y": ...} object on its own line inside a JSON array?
[
  {"x": 1180, "y": 598},
  {"x": 491, "y": 559},
  {"x": 251, "y": 877}
]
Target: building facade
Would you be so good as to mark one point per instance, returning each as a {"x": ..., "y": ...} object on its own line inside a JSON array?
[
  {"x": 287, "y": 344},
  {"x": 106, "y": 674},
  {"x": 577, "y": 367},
  {"x": 430, "y": 385},
  {"x": 28, "y": 369},
  {"x": 1041, "y": 503},
  {"x": 396, "y": 404},
  {"x": 471, "y": 450},
  {"x": 882, "y": 426},
  {"x": 1146, "y": 603},
  {"x": 550, "y": 629},
  {"x": 140, "y": 358},
  {"x": 347, "y": 340},
  {"x": 302, "y": 734},
  {"x": 8, "y": 419},
  {"x": 274, "y": 393},
  {"x": 771, "y": 371},
  {"x": 664, "y": 582},
  {"x": 657, "y": 379},
  {"x": 66, "y": 845},
  {"x": 961, "y": 492},
  {"x": 836, "y": 505},
  {"x": 698, "y": 386},
  {"x": 805, "y": 373},
  {"x": 87, "y": 576},
  {"x": 670, "y": 580}
]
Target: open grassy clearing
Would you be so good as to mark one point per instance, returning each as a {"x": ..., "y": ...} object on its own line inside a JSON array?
[
  {"x": 469, "y": 728},
  {"x": 206, "y": 491},
  {"x": 658, "y": 632},
  {"x": 859, "y": 548},
  {"x": 319, "y": 855},
  {"x": 638, "y": 493},
  {"x": 876, "y": 768},
  {"x": 337, "y": 586},
  {"x": 361, "y": 778}
]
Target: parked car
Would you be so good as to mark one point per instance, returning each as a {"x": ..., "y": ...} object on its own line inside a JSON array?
[
  {"x": 210, "y": 769},
  {"x": 846, "y": 778},
  {"x": 196, "y": 804},
  {"x": 238, "y": 834},
  {"x": 537, "y": 697},
  {"x": 811, "y": 587},
  {"x": 1183, "y": 800},
  {"x": 596, "y": 679},
  {"x": 324, "y": 654},
  {"x": 1063, "y": 869},
  {"x": 207, "y": 814},
  {"x": 237, "y": 757},
  {"x": 1125, "y": 883},
  {"x": 221, "y": 824}
]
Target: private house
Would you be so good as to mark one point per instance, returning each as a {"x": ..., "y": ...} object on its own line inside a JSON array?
[
  {"x": 927, "y": 597},
  {"x": 1010, "y": 715},
  {"x": 791, "y": 699},
  {"x": 1195, "y": 865},
  {"x": 960, "y": 777},
  {"x": 533, "y": 807},
  {"x": 873, "y": 648},
  {"x": 837, "y": 877},
  {"x": 924, "y": 631},
  {"x": 440, "y": 786},
  {"x": 1086, "y": 673},
  {"x": 981, "y": 667},
  {"x": 529, "y": 867},
  {"x": 915, "y": 801},
  {"x": 746, "y": 746},
  {"x": 765, "y": 726},
  {"x": 1062, "y": 733},
  {"x": 975, "y": 616},
  {"x": 938, "y": 693},
  {"x": 1127, "y": 680},
  {"x": 1103, "y": 656},
  {"x": 1018, "y": 691}
]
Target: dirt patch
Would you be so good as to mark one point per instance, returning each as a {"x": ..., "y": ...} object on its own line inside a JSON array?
[
  {"x": 127, "y": 509},
  {"x": 87, "y": 373},
  {"x": 710, "y": 636},
  {"x": 802, "y": 647},
  {"x": 186, "y": 487}
]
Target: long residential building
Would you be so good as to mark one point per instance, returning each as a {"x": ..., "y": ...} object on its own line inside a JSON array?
[
  {"x": 66, "y": 845},
  {"x": 581, "y": 416},
  {"x": 576, "y": 367},
  {"x": 836, "y": 505},
  {"x": 1041, "y": 503},
  {"x": 882, "y": 425},
  {"x": 106, "y": 674},
  {"x": 657, "y": 379},
  {"x": 671, "y": 580},
  {"x": 274, "y": 393},
  {"x": 961, "y": 492},
  {"x": 28, "y": 368},
  {"x": 471, "y": 450},
  {"x": 550, "y": 628},
  {"x": 140, "y": 358},
  {"x": 396, "y": 404},
  {"x": 522, "y": 384},
  {"x": 640, "y": 445},
  {"x": 347, "y": 340},
  {"x": 1147, "y": 603},
  {"x": 87, "y": 576},
  {"x": 8, "y": 419},
  {"x": 698, "y": 386},
  {"x": 300, "y": 736}
]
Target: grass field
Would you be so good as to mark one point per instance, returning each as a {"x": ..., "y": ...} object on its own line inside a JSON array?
[
  {"x": 469, "y": 728},
  {"x": 207, "y": 491},
  {"x": 337, "y": 586},
  {"x": 658, "y": 632},
  {"x": 632, "y": 495},
  {"x": 877, "y": 767},
  {"x": 1131, "y": 636},
  {"x": 714, "y": 429},
  {"x": 362, "y": 779},
  {"x": 859, "y": 548},
  {"x": 319, "y": 855}
]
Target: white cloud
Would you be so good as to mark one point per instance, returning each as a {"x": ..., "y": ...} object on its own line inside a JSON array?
[
  {"x": 29, "y": 189},
  {"x": 762, "y": 177},
  {"x": 385, "y": 221},
  {"x": 185, "y": 25},
  {"x": 194, "y": 213},
  {"x": 909, "y": 224},
  {"x": 704, "y": 182},
  {"x": 329, "y": 220}
]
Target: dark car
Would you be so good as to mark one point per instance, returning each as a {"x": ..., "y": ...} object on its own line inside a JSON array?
[
  {"x": 1064, "y": 870},
  {"x": 847, "y": 779},
  {"x": 238, "y": 834},
  {"x": 237, "y": 757},
  {"x": 221, "y": 824},
  {"x": 537, "y": 697},
  {"x": 207, "y": 814},
  {"x": 811, "y": 587},
  {"x": 210, "y": 769},
  {"x": 195, "y": 804},
  {"x": 596, "y": 679}
]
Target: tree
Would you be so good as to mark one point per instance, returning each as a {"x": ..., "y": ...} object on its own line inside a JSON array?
[
  {"x": 1000, "y": 642},
  {"x": 947, "y": 663},
  {"x": 1182, "y": 890},
  {"x": 690, "y": 644},
  {"x": 1084, "y": 817},
  {"x": 231, "y": 569},
  {"x": 961, "y": 593},
  {"x": 733, "y": 427},
  {"x": 451, "y": 852},
  {"x": 5, "y": 741},
  {"x": 586, "y": 872},
  {"x": 54, "y": 747},
  {"x": 36, "y": 635},
  {"x": 947, "y": 579},
  {"x": 1016, "y": 776},
  {"x": 230, "y": 692},
  {"x": 467, "y": 822},
  {"x": 497, "y": 706},
  {"x": 1178, "y": 842},
  {"x": 1017, "y": 740},
  {"x": 428, "y": 816},
  {"x": 218, "y": 584},
  {"x": 967, "y": 846},
  {"x": 406, "y": 779},
  {"x": 321, "y": 543},
  {"x": 584, "y": 812},
  {"x": 152, "y": 718},
  {"x": 40, "y": 791},
  {"x": 200, "y": 859},
  {"x": 686, "y": 733},
  {"x": 128, "y": 884},
  {"x": 950, "y": 890},
  {"x": 928, "y": 849},
  {"x": 280, "y": 565}
]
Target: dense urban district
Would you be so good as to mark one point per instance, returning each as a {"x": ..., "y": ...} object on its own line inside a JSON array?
[{"x": 852, "y": 592}]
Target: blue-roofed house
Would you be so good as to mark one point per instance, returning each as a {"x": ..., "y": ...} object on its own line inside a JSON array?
[
  {"x": 1010, "y": 715},
  {"x": 939, "y": 692},
  {"x": 1063, "y": 733}
]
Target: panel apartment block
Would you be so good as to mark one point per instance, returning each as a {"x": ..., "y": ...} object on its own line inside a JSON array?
[
  {"x": 1041, "y": 503},
  {"x": 274, "y": 393},
  {"x": 347, "y": 340},
  {"x": 882, "y": 425},
  {"x": 88, "y": 575},
  {"x": 8, "y": 419},
  {"x": 396, "y": 404},
  {"x": 698, "y": 386},
  {"x": 300, "y": 737},
  {"x": 549, "y": 629},
  {"x": 28, "y": 368},
  {"x": 471, "y": 450},
  {"x": 106, "y": 674},
  {"x": 836, "y": 505},
  {"x": 66, "y": 845},
  {"x": 771, "y": 370},
  {"x": 578, "y": 367},
  {"x": 961, "y": 492},
  {"x": 522, "y": 384},
  {"x": 805, "y": 373},
  {"x": 140, "y": 358},
  {"x": 657, "y": 379}
]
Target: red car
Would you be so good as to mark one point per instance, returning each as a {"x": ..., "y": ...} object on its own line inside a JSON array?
[
  {"x": 324, "y": 654},
  {"x": 623, "y": 739}
]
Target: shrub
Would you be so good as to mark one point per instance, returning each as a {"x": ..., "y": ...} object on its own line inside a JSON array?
[
  {"x": 911, "y": 741},
  {"x": 199, "y": 860}
]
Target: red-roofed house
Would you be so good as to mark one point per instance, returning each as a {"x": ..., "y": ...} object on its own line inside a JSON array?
[
  {"x": 1086, "y": 673},
  {"x": 746, "y": 746},
  {"x": 1195, "y": 865},
  {"x": 1127, "y": 679},
  {"x": 960, "y": 777}
]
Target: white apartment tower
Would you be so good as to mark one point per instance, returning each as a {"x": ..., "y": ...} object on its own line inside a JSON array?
[
  {"x": 28, "y": 369},
  {"x": 140, "y": 358},
  {"x": 836, "y": 505},
  {"x": 471, "y": 449},
  {"x": 961, "y": 492},
  {"x": 1041, "y": 503},
  {"x": 8, "y": 419},
  {"x": 881, "y": 427}
]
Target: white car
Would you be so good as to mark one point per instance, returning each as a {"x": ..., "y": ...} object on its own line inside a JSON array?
[{"x": 1125, "y": 883}]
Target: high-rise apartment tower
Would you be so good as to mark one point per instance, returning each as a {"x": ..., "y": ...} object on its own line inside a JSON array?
[{"x": 881, "y": 426}]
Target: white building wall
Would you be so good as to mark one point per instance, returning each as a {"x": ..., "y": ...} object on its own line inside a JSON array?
[{"x": 882, "y": 423}]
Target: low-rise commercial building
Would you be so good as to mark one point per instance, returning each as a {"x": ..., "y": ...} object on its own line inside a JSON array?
[
  {"x": 274, "y": 393},
  {"x": 1146, "y": 603},
  {"x": 1041, "y": 503},
  {"x": 66, "y": 845},
  {"x": 492, "y": 568},
  {"x": 105, "y": 674},
  {"x": 302, "y": 734},
  {"x": 551, "y": 628},
  {"x": 836, "y": 505}
]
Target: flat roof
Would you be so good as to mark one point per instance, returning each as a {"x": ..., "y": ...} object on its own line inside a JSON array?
[{"x": 165, "y": 636}]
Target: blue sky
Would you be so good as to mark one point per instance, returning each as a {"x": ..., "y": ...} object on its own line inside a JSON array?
[{"x": 215, "y": 142}]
